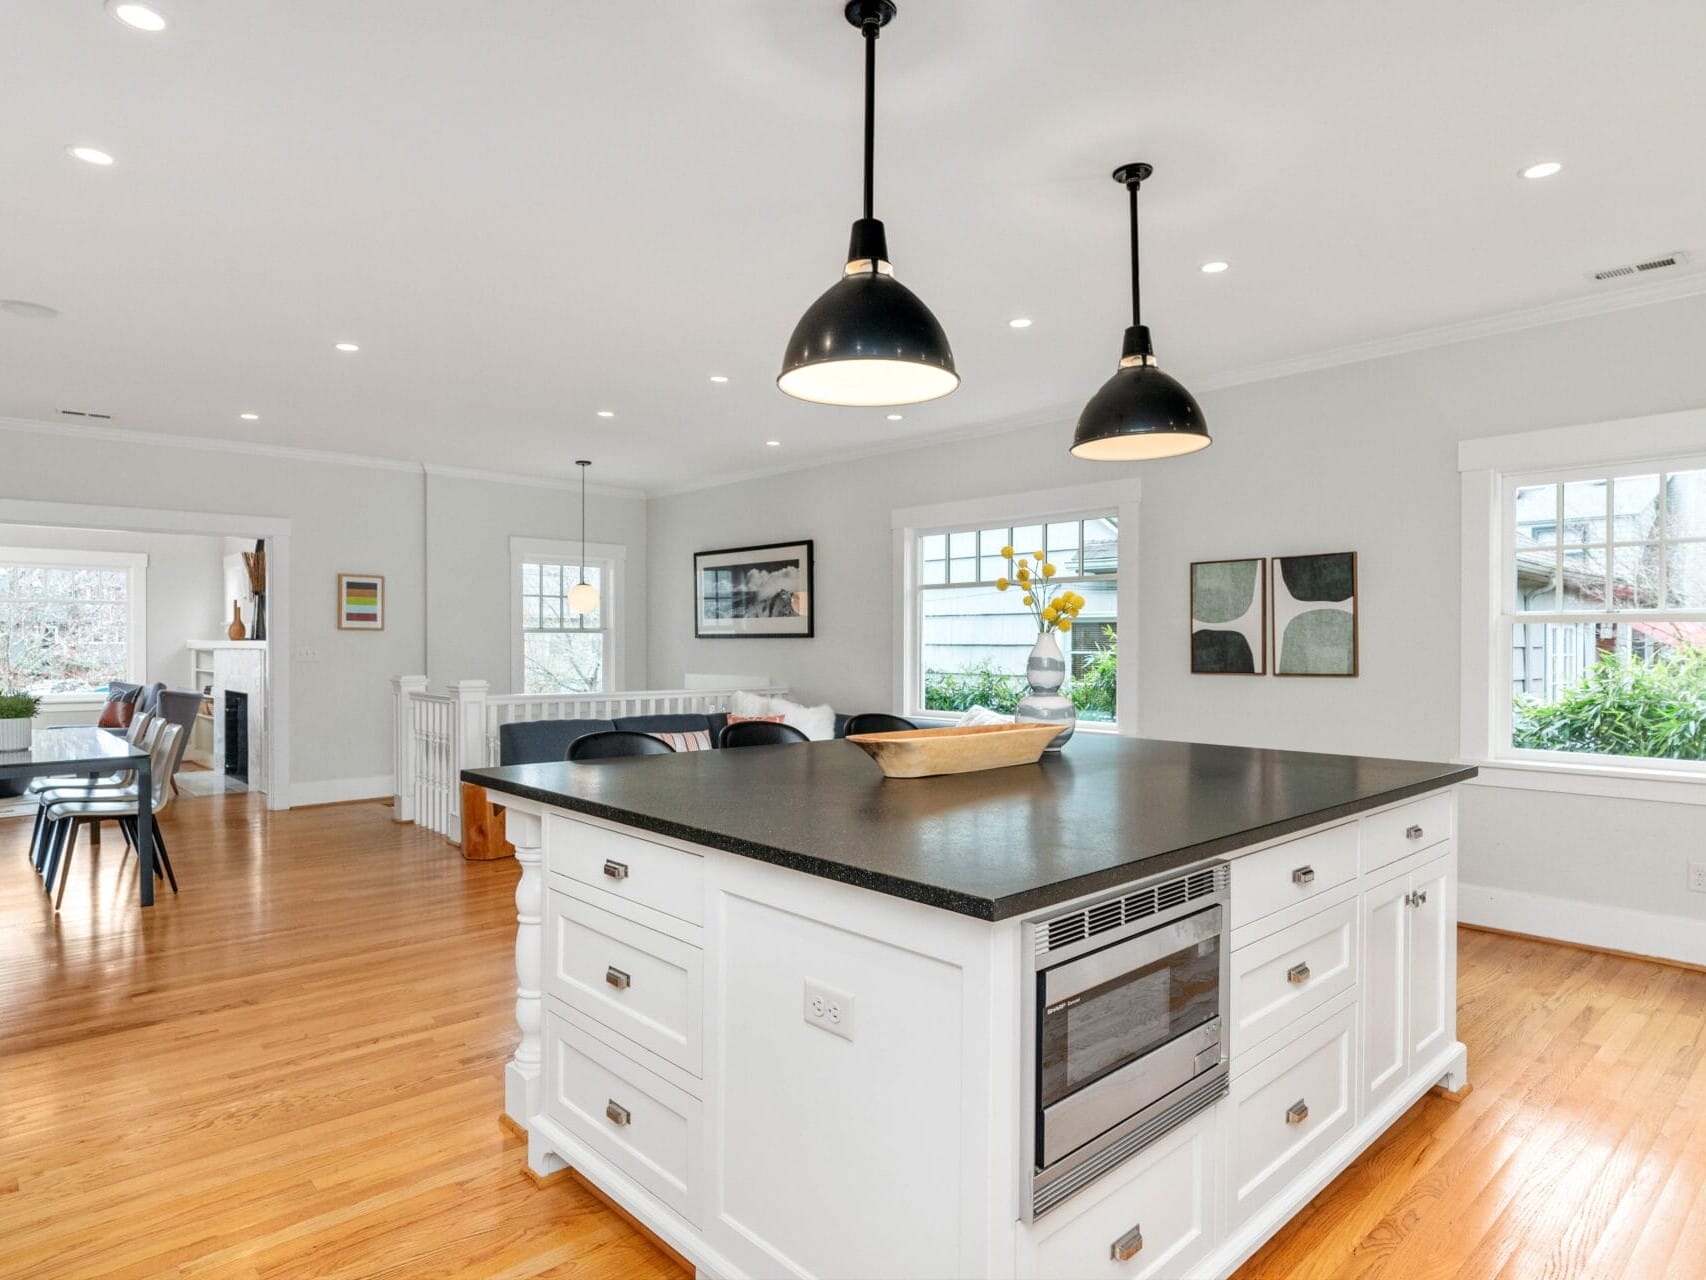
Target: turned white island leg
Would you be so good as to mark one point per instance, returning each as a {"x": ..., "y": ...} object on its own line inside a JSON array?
[{"x": 523, "y": 1074}]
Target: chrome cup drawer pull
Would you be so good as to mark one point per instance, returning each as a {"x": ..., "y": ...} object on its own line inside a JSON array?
[
  {"x": 617, "y": 978},
  {"x": 615, "y": 870},
  {"x": 617, "y": 1113},
  {"x": 1127, "y": 1246},
  {"x": 1297, "y": 974},
  {"x": 1297, "y": 1112},
  {"x": 1303, "y": 876},
  {"x": 1412, "y": 833}
]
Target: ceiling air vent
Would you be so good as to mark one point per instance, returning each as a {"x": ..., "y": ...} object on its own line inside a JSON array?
[
  {"x": 1628, "y": 270},
  {"x": 85, "y": 413}
]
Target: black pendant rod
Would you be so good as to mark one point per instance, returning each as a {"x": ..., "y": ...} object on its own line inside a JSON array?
[
  {"x": 1136, "y": 292},
  {"x": 871, "y": 27},
  {"x": 583, "y": 466}
]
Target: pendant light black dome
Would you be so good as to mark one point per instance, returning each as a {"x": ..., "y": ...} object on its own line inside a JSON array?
[
  {"x": 868, "y": 340},
  {"x": 1140, "y": 413}
]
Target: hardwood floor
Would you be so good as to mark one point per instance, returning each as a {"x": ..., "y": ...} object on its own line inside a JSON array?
[{"x": 294, "y": 1069}]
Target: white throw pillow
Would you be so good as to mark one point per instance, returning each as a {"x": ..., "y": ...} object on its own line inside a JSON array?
[
  {"x": 983, "y": 715},
  {"x": 817, "y": 723}
]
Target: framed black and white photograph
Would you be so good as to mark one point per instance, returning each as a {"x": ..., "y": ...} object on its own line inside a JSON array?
[{"x": 754, "y": 591}]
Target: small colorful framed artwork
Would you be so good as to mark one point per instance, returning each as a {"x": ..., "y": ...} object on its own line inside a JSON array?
[
  {"x": 1229, "y": 617},
  {"x": 361, "y": 602}
]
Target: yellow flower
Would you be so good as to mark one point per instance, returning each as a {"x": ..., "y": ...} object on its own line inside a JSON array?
[
  {"x": 1024, "y": 574},
  {"x": 1037, "y": 556},
  {"x": 1048, "y": 571},
  {"x": 1008, "y": 552},
  {"x": 1001, "y": 584},
  {"x": 1065, "y": 624},
  {"x": 1051, "y": 613},
  {"x": 1030, "y": 600}
]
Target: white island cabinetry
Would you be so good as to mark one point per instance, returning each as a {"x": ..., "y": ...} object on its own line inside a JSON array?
[{"x": 783, "y": 1075}]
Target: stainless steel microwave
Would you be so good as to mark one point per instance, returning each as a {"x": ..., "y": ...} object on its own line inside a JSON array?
[{"x": 1128, "y": 1026}]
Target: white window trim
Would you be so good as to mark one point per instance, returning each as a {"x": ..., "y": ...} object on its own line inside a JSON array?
[
  {"x": 555, "y": 550},
  {"x": 1118, "y": 497},
  {"x": 135, "y": 566},
  {"x": 1489, "y": 470}
]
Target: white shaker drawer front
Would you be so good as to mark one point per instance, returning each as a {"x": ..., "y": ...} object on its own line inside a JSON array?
[
  {"x": 644, "y": 984},
  {"x": 642, "y": 1124},
  {"x": 1408, "y": 829},
  {"x": 1283, "y": 977},
  {"x": 1151, "y": 1217},
  {"x": 1268, "y": 881},
  {"x": 653, "y": 875},
  {"x": 1288, "y": 1110}
]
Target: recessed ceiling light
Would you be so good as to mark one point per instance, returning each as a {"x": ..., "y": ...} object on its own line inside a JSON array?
[
  {"x": 347, "y": 346},
  {"x": 250, "y": 417},
  {"x": 27, "y": 310},
  {"x": 89, "y": 155},
  {"x": 1019, "y": 322},
  {"x": 607, "y": 413},
  {"x": 135, "y": 15},
  {"x": 1545, "y": 169},
  {"x": 773, "y": 444},
  {"x": 1214, "y": 268},
  {"x": 718, "y": 377},
  {"x": 896, "y": 417}
]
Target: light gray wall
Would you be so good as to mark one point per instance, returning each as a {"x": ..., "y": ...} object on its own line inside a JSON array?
[
  {"x": 185, "y": 586},
  {"x": 1359, "y": 457},
  {"x": 468, "y": 527}
]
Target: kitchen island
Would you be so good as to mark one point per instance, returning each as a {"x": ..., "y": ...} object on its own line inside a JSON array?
[{"x": 784, "y": 1011}]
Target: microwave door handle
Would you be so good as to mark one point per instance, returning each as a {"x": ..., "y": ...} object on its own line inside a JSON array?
[{"x": 1076, "y": 976}]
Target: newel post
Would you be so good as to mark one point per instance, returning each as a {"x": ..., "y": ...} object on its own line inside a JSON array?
[
  {"x": 468, "y": 748},
  {"x": 522, "y": 1075},
  {"x": 403, "y": 689}
]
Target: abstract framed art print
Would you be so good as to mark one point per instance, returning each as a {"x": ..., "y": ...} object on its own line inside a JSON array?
[
  {"x": 1229, "y": 623},
  {"x": 361, "y": 602},
  {"x": 1315, "y": 615}
]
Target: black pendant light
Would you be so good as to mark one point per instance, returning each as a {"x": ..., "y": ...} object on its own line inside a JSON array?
[
  {"x": 1140, "y": 412},
  {"x": 583, "y": 596},
  {"x": 868, "y": 340}
]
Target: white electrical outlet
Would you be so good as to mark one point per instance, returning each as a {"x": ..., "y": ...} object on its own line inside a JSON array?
[
  {"x": 1697, "y": 877},
  {"x": 829, "y": 1010}
]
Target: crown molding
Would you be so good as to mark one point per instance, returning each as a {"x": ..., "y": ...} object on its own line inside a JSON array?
[
  {"x": 1622, "y": 298},
  {"x": 535, "y": 482}
]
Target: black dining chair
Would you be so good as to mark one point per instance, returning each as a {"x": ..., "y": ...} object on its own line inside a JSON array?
[
  {"x": 614, "y": 744},
  {"x": 758, "y": 733},
  {"x": 878, "y": 722}
]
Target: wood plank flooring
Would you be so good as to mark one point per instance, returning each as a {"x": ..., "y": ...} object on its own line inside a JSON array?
[{"x": 294, "y": 1069}]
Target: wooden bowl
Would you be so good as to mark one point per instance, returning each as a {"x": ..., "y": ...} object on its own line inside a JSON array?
[{"x": 925, "y": 753}]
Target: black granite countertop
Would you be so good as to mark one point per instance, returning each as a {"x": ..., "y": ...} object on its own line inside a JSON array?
[{"x": 992, "y": 845}]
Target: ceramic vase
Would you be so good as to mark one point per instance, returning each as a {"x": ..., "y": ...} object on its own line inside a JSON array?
[
  {"x": 236, "y": 630},
  {"x": 1045, "y": 672},
  {"x": 15, "y": 734}
]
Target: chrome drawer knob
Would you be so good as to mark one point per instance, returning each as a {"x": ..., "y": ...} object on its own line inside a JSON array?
[
  {"x": 617, "y": 1113},
  {"x": 1127, "y": 1246},
  {"x": 1412, "y": 833},
  {"x": 1297, "y": 1112},
  {"x": 1303, "y": 876},
  {"x": 617, "y": 978},
  {"x": 615, "y": 870},
  {"x": 1298, "y": 974}
]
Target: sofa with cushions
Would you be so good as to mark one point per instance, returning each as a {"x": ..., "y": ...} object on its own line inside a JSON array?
[{"x": 536, "y": 741}]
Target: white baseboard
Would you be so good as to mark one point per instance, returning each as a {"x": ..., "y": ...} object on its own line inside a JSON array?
[
  {"x": 339, "y": 790},
  {"x": 1591, "y": 924}
]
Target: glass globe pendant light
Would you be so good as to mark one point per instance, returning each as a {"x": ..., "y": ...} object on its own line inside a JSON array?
[
  {"x": 1140, "y": 413},
  {"x": 583, "y": 596},
  {"x": 868, "y": 340}
]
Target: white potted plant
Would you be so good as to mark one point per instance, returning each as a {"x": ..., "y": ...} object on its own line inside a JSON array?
[{"x": 16, "y": 712}]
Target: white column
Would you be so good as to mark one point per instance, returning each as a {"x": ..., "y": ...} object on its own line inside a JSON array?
[
  {"x": 402, "y": 749},
  {"x": 522, "y": 1075},
  {"x": 468, "y": 743}
]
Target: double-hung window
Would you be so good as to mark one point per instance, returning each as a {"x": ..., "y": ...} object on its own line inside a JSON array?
[
  {"x": 1601, "y": 642},
  {"x": 70, "y": 621},
  {"x": 972, "y": 639},
  {"x": 556, "y": 650}
]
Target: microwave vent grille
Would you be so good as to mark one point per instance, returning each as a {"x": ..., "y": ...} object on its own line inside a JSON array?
[{"x": 1114, "y": 913}]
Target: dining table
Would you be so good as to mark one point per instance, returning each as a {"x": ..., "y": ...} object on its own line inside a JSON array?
[{"x": 77, "y": 750}]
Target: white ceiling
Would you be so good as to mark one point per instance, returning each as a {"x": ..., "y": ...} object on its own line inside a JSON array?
[{"x": 529, "y": 211}]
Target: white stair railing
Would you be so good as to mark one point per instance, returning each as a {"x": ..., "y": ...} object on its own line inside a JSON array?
[{"x": 440, "y": 734}]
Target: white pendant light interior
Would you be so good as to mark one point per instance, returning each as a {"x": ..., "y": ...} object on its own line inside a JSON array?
[{"x": 583, "y": 596}]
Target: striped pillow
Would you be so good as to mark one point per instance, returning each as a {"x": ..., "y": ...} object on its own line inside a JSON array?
[{"x": 691, "y": 740}]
